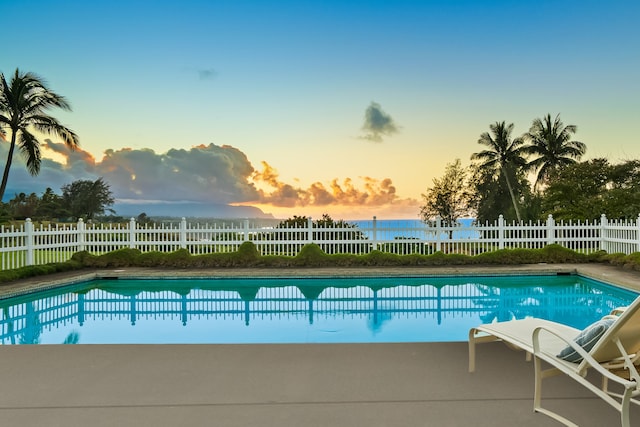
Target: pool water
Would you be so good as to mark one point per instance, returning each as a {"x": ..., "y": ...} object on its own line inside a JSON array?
[{"x": 297, "y": 310}]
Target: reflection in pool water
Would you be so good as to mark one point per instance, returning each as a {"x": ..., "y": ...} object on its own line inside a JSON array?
[{"x": 297, "y": 310}]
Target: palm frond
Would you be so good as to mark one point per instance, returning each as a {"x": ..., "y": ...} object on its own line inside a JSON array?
[
  {"x": 30, "y": 149},
  {"x": 51, "y": 126},
  {"x": 24, "y": 102},
  {"x": 551, "y": 144}
]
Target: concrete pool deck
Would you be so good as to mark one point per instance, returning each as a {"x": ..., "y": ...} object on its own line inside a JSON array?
[{"x": 408, "y": 384}]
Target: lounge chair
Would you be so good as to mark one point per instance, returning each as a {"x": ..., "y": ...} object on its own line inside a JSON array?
[{"x": 610, "y": 347}]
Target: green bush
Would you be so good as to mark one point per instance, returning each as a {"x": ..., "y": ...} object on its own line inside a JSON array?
[
  {"x": 119, "y": 258},
  {"x": 178, "y": 259},
  {"x": 378, "y": 258},
  {"x": 38, "y": 270},
  {"x": 247, "y": 254},
  {"x": 83, "y": 257},
  {"x": 345, "y": 260},
  {"x": 632, "y": 261},
  {"x": 151, "y": 259},
  {"x": 559, "y": 254},
  {"x": 311, "y": 256}
]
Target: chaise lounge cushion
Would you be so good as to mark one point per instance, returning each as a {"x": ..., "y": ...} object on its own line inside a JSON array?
[{"x": 586, "y": 339}]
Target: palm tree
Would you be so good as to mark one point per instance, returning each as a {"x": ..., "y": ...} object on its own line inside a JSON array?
[
  {"x": 24, "y": 102},
  {"x": 552, "y": 146},
  {"x": 504, "y": 156}
]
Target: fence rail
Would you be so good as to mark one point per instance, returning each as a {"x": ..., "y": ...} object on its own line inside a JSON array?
[{"x": 27, "y": 244}]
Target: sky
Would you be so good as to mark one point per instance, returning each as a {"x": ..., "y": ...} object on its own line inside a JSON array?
[{"x": 349, "y": 108}]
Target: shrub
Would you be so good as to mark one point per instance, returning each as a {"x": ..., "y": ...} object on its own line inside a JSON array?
[
  {"x": 345, "y": 260},
  {"x": 632, "y": 261},
  {"x": 125, "y": 257},
  {"x": 247, "y": 254},
  {"x": 178, "y": 259},
  {"x": 37, "y": 270},
  {"x": 437, "y": 258},
  {"x": 311, "y": 255},
  {"x": 559, "y": 254},
  {"x": 615, "y": 258},
  {"x": 151, "y": 259},
  {"x": 378, "y": 258},
  {"x": 83, "y": 257}
]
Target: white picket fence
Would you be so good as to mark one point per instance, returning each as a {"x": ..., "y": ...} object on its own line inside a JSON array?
[{"x": 27, "y": 244}]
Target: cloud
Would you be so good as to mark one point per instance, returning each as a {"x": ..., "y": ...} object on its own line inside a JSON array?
[
  {"x": 76, "y": 165},
  {"x": 203, "y": 174},
  {"x": 208, "y": 173},
  {"x": 207, "y": 73},
  {"x": 337, "y": 193},
  {"x": 77, "y": 156},
  {"x": 377, "y": 123}
]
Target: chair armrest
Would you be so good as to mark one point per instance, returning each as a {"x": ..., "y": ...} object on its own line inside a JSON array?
[
  {"x": 618, "y": 311},
  {"x": 587, "y": 360}
]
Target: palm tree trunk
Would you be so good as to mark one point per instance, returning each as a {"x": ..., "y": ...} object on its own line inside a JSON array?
[
  {"x": 513, "y": 197},
  {"x": 5, "y": 175}
]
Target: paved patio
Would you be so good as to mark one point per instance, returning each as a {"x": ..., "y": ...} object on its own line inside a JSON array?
[
  {"x": 280, "y": 385},
  {"x": 412, "y": 384}
]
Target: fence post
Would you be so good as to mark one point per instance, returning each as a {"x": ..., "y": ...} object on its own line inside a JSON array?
[
  {"x": 310, "y": 230},
  {"x": 500, "y": 232},
  {"x": 374, "y": 233},
  {"x": 245, "y": 234},
  {"x": 183, "y": 233},
  {"x": 438, "y": 232},
  {"x": 603, "y": 233},
  {"x": 551, "y": 232},
  {"x": 132, "y": 233},
  {"x": 28, "y": 226},
  {"x": 81, "y": 235},
  {"x": 638, "y": 233}
]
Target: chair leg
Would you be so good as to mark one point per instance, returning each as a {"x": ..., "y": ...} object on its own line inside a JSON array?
[
  {"x": 473, "y": 340},
  {"x": 624, "y": 409},
  {"x": 472, "y": 353},
  {"x": 537, "y": 393}
]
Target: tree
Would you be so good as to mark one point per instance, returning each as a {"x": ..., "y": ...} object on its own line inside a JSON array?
[
  {"x": 86, "y": 199},
  {"x": 551, "y": 145},
  {"x": 294, "y": 222},
  {"x": 345, "y": 231},
  {"x": 622, "y": 199},
  {"x": 491, "y": 197},
  {"x": 449, "y": 198},
  {"x": 505, "y": 156},
  {"x": 586, "y": 190},
  {"x": 144, "y": 219},
  {"x": 24, "y": 102},
  {"x": 23, "y": 206},
  {"x": 51, "y": 206}
]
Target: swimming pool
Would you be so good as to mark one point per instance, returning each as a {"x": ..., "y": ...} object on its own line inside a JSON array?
[{"x": 297, "y": 310}]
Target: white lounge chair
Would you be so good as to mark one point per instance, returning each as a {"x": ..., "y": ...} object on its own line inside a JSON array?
[{"x": 611, "y": 348}]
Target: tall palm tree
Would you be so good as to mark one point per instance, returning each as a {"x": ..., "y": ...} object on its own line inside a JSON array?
[
  {"x": 24, "y": 102},
  {"x": 551, "y": 145},
  {"x": 504, "y": 156}
]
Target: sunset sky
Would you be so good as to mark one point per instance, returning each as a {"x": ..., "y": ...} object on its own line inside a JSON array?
[{"x": 349, "y": 108}]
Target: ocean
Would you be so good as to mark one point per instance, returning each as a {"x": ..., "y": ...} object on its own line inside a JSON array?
[{"x": 389, "y": 229}]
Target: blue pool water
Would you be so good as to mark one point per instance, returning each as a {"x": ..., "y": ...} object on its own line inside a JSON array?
[{"x": 297, "y": 310}]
